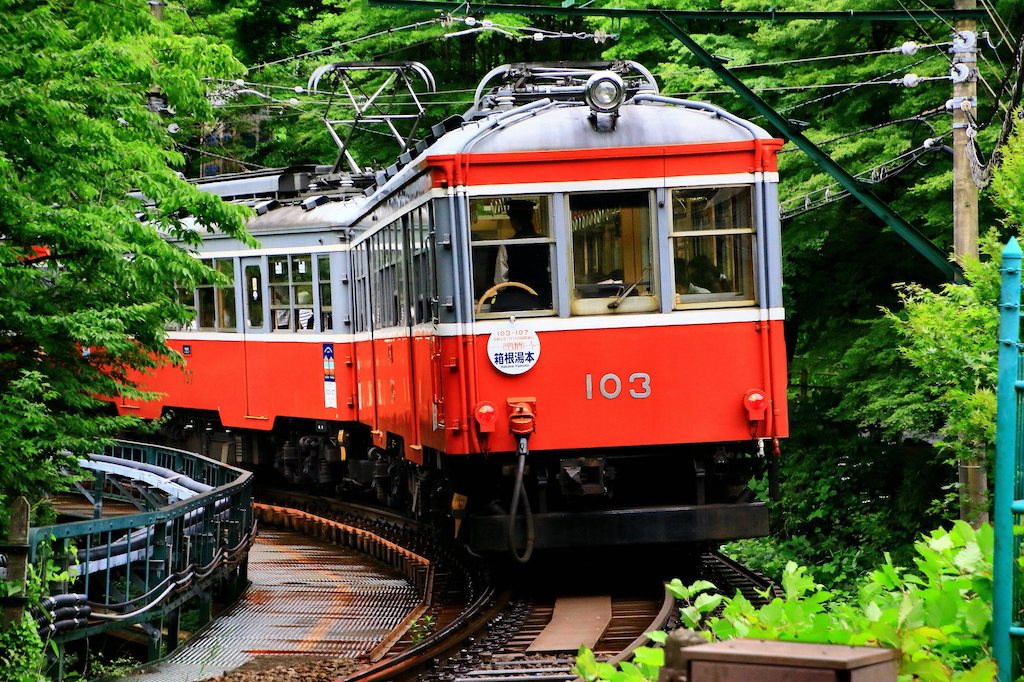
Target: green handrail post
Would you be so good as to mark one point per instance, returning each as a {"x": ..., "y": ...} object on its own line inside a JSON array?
[
  {"x": 1003, "y": 568},
  {"x": 170, "y": 551}
]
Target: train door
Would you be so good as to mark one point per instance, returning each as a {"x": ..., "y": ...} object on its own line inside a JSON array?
[
  {"x": 255, "y": 324},
  {"x": 363, "y": 335},
  {"x": 426, "y": 341},
  {"x": 410, "y": 380}
]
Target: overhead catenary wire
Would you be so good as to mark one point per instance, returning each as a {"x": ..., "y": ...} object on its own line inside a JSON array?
[
  {"x": 853, "y": 86},
  {"x": 346, "y": 43},
  {"x": 938, "y": 16},
  {"x": 997, "y": 21},
  {"x": 477, "y": 26},
  {"x": 908, "y": 48},
  {"x": 219, "y": 156},
  {"x": 883, "y": 171},
  {"x": 910, "y": 119},
  {"x": 981, "y": 172},
  {"x": 536, "y": 34},
  {"x": 925, "y": 31}
]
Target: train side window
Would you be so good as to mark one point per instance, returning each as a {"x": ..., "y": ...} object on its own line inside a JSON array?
[
  {"x": 387, "y": 277},
  {"x": 323, "y": 268},
  {"x": 185, "y": 296},
  {"x": 225, "y": 295},
  {"x": 360, "y": 289},
  {"x": 213, "y": 306},
  {"x": 291, "y": 292},
  {"x": 253, "y": 296},
  {"x": 512, "y": 239},
  {"x": 611, "y": 252},
  {"x": 713, "y": 246},
  {"x": 424, "y": 287},
  {"x": 205, "y": 312}
]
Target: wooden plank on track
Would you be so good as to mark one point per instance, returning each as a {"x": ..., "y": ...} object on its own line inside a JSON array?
[{"x": 575, "y": 621}]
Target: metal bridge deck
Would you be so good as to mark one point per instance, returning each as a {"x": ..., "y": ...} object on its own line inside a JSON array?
[
  {"x": 308, "y": 597},
  {"x": 76, "y": 506}
]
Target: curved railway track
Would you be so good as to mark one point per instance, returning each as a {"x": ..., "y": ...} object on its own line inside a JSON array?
[{"x": 483, "y": 633}]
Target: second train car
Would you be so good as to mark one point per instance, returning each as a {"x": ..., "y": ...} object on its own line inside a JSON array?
[{"x": 556, "y": 321}]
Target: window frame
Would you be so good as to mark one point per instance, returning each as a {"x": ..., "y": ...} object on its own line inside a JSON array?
[
  {"x": 580, "y": 306},
  {"x": 714, "y": 299},
  {"x": 292, "y": 306},
  {"x": 545, "y": 206}
]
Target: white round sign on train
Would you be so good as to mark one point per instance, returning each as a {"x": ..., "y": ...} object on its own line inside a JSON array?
[{"x": 513, "y": 351}]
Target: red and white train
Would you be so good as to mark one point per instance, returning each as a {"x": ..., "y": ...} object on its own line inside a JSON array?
[{"x": 556, "y": 320}]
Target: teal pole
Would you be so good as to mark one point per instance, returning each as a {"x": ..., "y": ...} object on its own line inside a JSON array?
[{"x": 1006, "y": 445}]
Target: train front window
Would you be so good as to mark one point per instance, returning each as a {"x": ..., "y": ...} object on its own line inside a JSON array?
[
  {"x": 611, "y": 253},
  {"x": 511, "y": 255},
  {"x": 713, "y": 246}
]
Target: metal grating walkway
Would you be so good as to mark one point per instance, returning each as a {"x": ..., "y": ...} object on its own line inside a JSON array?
[{"x": 307, "y": 597}]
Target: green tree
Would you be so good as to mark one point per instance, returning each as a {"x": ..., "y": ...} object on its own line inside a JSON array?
[{"x": 86, "y": 277}]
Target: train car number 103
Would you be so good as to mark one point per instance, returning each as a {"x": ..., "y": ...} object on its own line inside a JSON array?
[{"x": 610, "y": 385}]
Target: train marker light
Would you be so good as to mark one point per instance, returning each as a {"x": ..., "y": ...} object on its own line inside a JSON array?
[
  {"x": 486, "y": 416},
  {"x": 756, "y": 404},
  {"x": 604, "y": 92}
]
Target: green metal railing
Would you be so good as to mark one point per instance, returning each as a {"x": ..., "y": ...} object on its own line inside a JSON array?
[
  {"x": 142, "y": 567},
  {"x": 1009, "y": 481}
]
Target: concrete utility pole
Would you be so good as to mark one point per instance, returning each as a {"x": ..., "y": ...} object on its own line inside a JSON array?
[
  {"x": 973, "y": 479},
  {"x": 965, "y": 101}
]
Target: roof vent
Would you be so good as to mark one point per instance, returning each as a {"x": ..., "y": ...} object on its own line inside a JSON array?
[
  {"x": 312, "y": 202},
  {"x": 264, "y": 206}
]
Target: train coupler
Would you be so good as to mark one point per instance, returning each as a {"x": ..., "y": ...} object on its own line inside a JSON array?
[
  {"x": 522, "y": 420},
  {"x": 582, "y": 476}
]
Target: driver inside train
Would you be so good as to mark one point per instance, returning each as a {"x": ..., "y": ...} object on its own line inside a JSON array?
[{"x": 511, "y": 255}]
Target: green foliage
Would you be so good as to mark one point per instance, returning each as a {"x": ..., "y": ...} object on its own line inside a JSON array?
[
  {"x": 421, "y": 628},
  {"x": 845, "y": 497},
  {"x": 949, "y": 337},
  {"x": 21, "y": 652},
  {"x": 86, "y": 276},
  {"x": 101, "y": 667},
  {"x": 938, "y": 615}
]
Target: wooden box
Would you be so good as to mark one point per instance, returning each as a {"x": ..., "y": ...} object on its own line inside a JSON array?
[{"x": 754, "y": 660}]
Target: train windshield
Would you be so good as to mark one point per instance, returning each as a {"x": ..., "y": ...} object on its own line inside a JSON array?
[
  {"x": 611, "y": 251},
  {"x": 712, "y": 246},
  {"x": 512, "y": 241}
]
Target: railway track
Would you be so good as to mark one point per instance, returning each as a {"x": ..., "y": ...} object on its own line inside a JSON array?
[{"x": 482, "y": 633}]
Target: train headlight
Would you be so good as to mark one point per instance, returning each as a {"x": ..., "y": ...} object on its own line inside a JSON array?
[{"x": 605, "y": 92}]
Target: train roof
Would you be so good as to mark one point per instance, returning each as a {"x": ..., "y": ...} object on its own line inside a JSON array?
[
  {"x": 641, "y": 123},
  {"x": 539, "y": 108}
]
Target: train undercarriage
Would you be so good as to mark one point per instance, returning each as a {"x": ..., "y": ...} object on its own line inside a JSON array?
[{"x": 667, "y": 494}]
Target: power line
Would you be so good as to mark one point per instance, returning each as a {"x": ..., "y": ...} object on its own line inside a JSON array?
[
  {"x": 925, "y": 31},
  {"x": 336, "y": 46},
  {"x": 887, "y": 169},
  {"x": 997, "y": 21},
  {"x": 908, "y": 48},
  {"x": 219, "y": 156},
  {"x": 920, "y": 118},
  {"x": 853, "y": 86},
  {"x": 950, "y": 26}
]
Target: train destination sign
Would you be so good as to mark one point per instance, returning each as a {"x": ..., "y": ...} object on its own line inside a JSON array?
[{"x": 513, "y": 351}]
